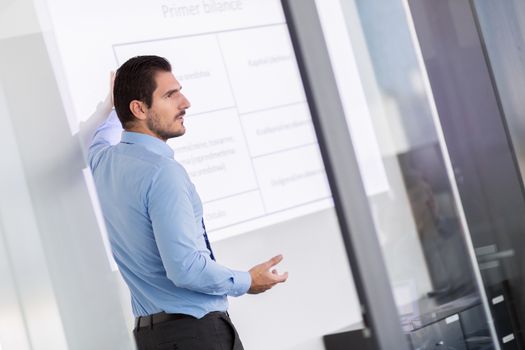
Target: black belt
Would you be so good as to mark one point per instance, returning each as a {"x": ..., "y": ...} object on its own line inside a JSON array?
[{"x": 150, "y": 320}]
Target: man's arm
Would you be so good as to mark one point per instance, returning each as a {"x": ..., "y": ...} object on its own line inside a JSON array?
[
  {"x": 107, "y": 134},
  {"x": 88, "y": 128},
  {"x": 176, "y": 234},
  {"x": 102, "y": 129}
]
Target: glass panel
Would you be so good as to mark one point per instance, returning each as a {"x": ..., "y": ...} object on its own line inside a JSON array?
[
  {"x": 471, "y": 114},
  {"x": 501, "y": 26},
  {"x": 424, "y": 239}
]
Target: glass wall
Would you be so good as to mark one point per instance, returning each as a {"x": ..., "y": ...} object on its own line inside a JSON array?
[
  {"x": 450, "y": 221},
  {"x": 420, "y": 216},
  {"x": 484, "y": 161}
]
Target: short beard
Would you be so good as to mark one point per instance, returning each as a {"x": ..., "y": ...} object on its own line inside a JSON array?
[{"x": 154, "y": 125}]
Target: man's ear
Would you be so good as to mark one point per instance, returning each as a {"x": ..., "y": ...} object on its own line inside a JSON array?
[{"x": 138, "y": 109}]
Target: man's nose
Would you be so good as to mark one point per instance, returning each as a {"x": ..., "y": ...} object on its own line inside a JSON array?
[{"x": 185, "y": 102}]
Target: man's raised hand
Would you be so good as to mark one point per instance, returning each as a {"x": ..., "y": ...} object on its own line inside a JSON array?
[{"x": 264, "y": 279}]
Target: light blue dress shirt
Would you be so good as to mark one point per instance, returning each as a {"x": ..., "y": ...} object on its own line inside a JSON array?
[{"x": 153, "y": 216}]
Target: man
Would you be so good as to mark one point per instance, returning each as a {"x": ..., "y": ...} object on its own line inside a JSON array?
[{"x": 154, "y": 218}]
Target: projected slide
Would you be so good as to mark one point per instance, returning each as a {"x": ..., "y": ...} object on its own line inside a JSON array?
[{"x": 250, "y": 146}]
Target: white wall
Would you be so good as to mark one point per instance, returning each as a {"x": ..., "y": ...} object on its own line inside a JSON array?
[{"x": 319, "y": 297}]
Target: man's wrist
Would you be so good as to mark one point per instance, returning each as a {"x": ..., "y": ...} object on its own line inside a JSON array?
[{"x": 242, "y": 281}]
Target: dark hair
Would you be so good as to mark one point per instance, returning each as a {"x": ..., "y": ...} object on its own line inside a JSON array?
[{"x": 135, "y": 80}]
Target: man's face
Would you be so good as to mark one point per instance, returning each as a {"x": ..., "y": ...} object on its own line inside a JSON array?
[{"x": 165, "y": 117}]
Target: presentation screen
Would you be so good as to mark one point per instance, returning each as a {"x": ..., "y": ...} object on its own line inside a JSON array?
[{"x": 250, "y": 147}]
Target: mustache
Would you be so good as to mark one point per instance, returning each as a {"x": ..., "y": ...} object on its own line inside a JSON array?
[{"x": 181, "y": 114}]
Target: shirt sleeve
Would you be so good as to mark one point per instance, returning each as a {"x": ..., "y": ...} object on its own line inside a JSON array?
[
  {"x": 107, "y": 134},
  {"x": 175, "y": 230}
]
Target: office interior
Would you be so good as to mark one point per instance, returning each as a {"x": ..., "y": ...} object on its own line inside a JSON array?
[{"x": 378, "y": 145}]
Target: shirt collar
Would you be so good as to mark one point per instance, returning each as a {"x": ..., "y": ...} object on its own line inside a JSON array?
[{"x": 151, "y": 143}]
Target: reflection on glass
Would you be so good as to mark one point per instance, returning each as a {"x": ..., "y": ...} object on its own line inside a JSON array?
[
  {"x": 418, "y": 221},
  {"x": 502, "y": 29},
  {"x": 437, "y": 224},
  {"x": 471, "y": 105}
]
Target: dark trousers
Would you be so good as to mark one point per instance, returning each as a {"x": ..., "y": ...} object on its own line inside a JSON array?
[{"x": 215, "y": 331}]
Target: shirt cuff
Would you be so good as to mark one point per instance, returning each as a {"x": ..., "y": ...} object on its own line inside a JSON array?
[{"x": 242, "y": 281}]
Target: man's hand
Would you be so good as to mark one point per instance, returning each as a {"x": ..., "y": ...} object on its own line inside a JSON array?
[{"x": 263, "y": 279}]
